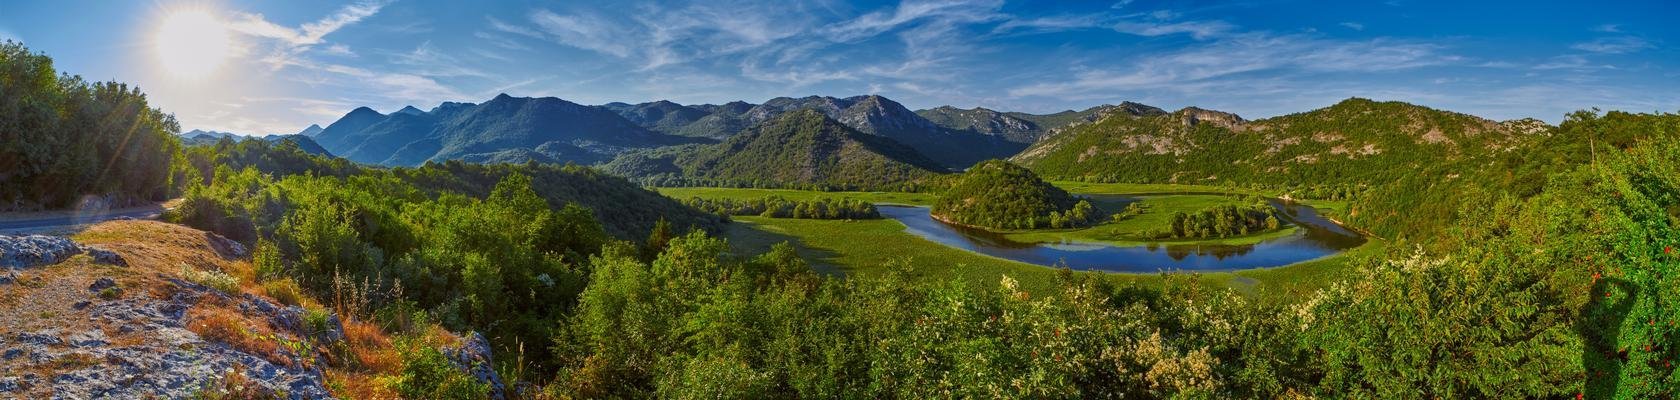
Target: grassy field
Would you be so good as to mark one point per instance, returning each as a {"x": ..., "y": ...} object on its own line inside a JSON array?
[
  {"x": 868, "y": 247},
  {"x": 1157, "y": 212}
]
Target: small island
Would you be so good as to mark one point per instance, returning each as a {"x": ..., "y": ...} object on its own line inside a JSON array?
[{"x": 996, "y": 194}]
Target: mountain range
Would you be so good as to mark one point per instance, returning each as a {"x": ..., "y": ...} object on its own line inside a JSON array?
[{"x": 547, "y": 129}]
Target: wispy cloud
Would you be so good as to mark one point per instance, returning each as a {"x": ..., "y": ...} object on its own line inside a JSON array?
[
  {"x": 1252, "y": 59},
  {"x": 1053, "y": 23},
  {"x": 307, "y": 34},
  {"x": 1196, "y": 29},
  {"x": 1571, "y": 62},
  {"x": 1608, "y": 28},
  {"x": 875, "y": 23},
  {"x": 588, "y": 31},
  {"x": 1613, "y": 45},
  {"x": 1353, "y": 25},
  {"x": 289, "y": 42},
  {"x": 338, "y": 50},
  {"x": 427, "y": 60},
  {"x": 514, "y": 29}
]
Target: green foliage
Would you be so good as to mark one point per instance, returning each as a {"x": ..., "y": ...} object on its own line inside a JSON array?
[
  {"x": 62, "y": 138},
  {"x": 428, "y": 374},
  {"x": 998, "y": 194},
  {"x": 1404, "y": 164},
  {"x": 1223, "y": 221},
  {"x": 780, "y": 207},
  {"x": 799, "y": 149}
]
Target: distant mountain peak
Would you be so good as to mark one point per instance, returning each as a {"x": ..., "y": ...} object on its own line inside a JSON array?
[
  {"x": 409, "y": 110},
  {"x": 312, "y": 130}
]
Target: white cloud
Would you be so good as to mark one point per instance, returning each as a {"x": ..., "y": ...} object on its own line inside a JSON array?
[
  {"x": 1571, "y": 62},
  {"x": 1053, "y": 24},
  {"x": 429, "y": 61},
  {"x": 500, "y": 41},
  {"x": 875, "y": 23},
  {"x": 1613, "y": 45},
  {"x": 1608, "y": 28},
  {"x": 1252, "y": 59},
  {"x": 338, "y": 50},
  {"x": 307, "y": 34},
  {"x": 290, "y": 43},
  {"x": 514, "y": 29},
  {"x": 1197, "y": 29},
  {"x": 1353, "y": 25},
  {"x": 585, "y": 31}
]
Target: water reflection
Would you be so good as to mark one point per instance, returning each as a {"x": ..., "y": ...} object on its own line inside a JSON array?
[{"x": 1318, "y": 237}]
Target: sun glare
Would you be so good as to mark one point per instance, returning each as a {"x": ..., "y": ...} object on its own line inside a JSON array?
[{"x": 191, "y": 44}]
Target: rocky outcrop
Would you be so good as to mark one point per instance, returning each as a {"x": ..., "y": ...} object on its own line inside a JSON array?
[
  {"x": 1193, "y": 116},
  {"x": 172, "y": 361},
  {"x": 20, "y": 252},
  {"x": 473, "y": 357},
  {"x": 35, "y": 250}
]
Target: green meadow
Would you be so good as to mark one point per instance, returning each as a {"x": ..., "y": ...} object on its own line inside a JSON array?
[{"x": 867, "y": 247}]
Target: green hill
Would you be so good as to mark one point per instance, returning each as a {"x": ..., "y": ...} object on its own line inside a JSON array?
[
  {"x": 998, "y": 194},
  {"x": 800, "y": 148},
  {"x": 1392, "y": 153}
]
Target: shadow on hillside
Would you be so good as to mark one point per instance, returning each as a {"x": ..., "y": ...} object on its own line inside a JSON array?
[
  {"x": 1600, "y": 326},
  {"x": 749, "y": 240}
]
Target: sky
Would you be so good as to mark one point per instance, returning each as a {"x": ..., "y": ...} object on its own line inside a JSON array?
[{"x": 260, "y": 67}]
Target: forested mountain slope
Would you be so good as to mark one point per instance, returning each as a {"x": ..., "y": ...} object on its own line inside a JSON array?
[
  {"x": 798, "y": 148},
  {"x": 1356, "y": 144}
]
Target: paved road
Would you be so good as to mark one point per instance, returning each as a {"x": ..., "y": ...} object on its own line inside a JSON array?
[{"x": 72, "y": 220}]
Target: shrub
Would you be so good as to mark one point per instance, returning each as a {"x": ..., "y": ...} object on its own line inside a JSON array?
[
  {"x": 285, "y": 290},
  {"x": 213, "y": 279},
  {"x": 427, "y": 374}
]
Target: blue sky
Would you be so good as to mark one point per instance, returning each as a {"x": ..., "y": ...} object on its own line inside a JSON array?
[{"x": 294, "y": 63}]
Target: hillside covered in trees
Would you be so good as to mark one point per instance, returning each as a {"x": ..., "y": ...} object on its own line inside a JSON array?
[
  {"x": 1357, "y": 145},
  {"x": 998, "y": 194},
  {"x": 798, "y": 149}
]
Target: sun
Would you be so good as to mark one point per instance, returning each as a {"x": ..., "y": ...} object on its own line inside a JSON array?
[{"x": 191, "y": 44}]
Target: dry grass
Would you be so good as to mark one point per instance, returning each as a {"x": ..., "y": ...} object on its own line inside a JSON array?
[
  {"x": 218, "y": 324},
  {"x": 286, "y": 291},
  {"x": 354, "y": 385},
  {"x": 360, "y": 367},
  {"x": 372, "y": 348}
]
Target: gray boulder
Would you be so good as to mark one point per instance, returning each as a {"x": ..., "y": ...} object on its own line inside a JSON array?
[
  {"x": 473, "y": 357},
  {"x": 104, "y": 256},
  {"x": 35, "y": 250}
]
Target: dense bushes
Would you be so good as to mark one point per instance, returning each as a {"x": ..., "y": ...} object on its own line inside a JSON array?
[
  {"x": 62, "y": 138},
  {"x": 780, "y": 207},
  {"x": 998, "y": 194},
  {"x": 1221, "y": 222}
]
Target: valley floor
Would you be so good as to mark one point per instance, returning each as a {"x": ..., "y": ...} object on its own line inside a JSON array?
[{"x": 871, "y": 246}]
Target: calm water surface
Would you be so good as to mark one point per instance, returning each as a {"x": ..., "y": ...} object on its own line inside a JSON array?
[{"x": 1317, "y": 238}]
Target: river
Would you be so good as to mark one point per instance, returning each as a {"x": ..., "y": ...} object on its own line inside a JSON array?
[{"x": 1318, "y": 237}]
